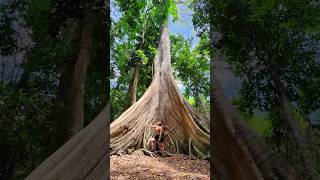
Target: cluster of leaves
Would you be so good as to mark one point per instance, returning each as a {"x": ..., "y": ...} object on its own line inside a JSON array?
[
  {"x": 7, "y": 33},
  {"x": 25, "y": 129},
  {"x": 192, "y": 68},
  {"x": 260, "y": 38},
  {"x": 200, "y": 16}
]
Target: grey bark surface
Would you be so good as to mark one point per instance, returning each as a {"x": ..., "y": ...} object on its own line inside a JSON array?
[
  {"x": 69, "y": 110},
  {"x": 63, "y": 98}
]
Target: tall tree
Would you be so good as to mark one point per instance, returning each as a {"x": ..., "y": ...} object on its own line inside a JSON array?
[
  {"x": 136, "y": 35},
  {"x": 161, "y": 102},
  {"x": 70, "y": 100},
  {"x": 270, "y": 45}
]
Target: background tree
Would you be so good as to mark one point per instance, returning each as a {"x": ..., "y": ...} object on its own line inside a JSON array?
[
  {"x": 272, "y": 47},
  {"x": 40, "y": 36}
]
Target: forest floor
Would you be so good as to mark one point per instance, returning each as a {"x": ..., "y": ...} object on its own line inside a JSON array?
[{"x": 177, "y": 166}]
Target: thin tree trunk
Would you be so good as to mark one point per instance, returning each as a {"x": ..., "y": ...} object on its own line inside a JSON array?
[
  {"x": 85, "y": 155},
  {"x": 135, "y": 78},
  {"x": 69, "y": 110},
  {"x": 134, "y": 84},
  {"x": 201, "y": 104},
  {"x": 10, "y": 80},
  {"x": 2, "y": 70},
  {"x": 76, "y": 121},
  {"x": 61, "y": 109}
]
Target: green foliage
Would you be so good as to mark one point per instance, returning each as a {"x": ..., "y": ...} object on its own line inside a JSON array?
[
  {"x": 25, "y": 129},
  {"x": 191, "y": 101},
  {"x": 260, "y": 38},
  {"x": 8, "y": 42},
  {"x": 173, "y": 10},
  {"x": 200, "y": 16},
  {"x": 300, "y": 118},
  {"x": 191, "y": 66},
  {"x": 261, "y": 125},
  {"x": 142, "y": 56},
  {"x": 26, "y": 107},
  {"x": 265, "y": 40}
]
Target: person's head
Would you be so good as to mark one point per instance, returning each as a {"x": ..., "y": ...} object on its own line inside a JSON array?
[{"x": 159, "y": 123}]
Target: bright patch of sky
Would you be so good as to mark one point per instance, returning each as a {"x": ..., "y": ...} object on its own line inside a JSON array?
[{"x": 184, "y": 25}]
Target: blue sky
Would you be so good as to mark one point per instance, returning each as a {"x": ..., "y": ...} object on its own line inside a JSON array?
[{"x": 184, "y": 25}]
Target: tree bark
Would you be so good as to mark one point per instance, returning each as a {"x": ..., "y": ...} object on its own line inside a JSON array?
[
  {"x": 61, "y": 109},
  {"x": 76, "y": 120},
  {"x": 162, "y": 101},
  {"x": 134, "y": 84},
  {"x": 85, "y": 155}
]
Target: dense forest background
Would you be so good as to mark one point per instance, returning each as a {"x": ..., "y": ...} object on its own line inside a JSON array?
[
  {"x": 43, "y": 45},
  {"x": 270, "y": 49}
]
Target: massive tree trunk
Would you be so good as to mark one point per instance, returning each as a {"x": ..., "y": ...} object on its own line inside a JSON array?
[
  {"x": 162, "y": 101},
  {"x": 134, "y": 84},
  {"x": 297, "y": 132}
]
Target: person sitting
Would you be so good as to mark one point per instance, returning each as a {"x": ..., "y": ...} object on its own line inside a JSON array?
[{"x": 158, "y": 138}]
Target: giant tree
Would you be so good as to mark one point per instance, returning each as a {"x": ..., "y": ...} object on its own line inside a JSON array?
[
  {"x": 161, "y": 102},
  {"x": 135, "y": 38}
]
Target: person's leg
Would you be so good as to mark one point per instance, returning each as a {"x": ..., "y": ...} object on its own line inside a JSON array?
[
  {"x": 161, "y": 146},
  {"x": 152, "y": 143}
]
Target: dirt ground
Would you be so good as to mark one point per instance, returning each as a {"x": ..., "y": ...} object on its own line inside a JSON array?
[{"x": 144, "y": 167}]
